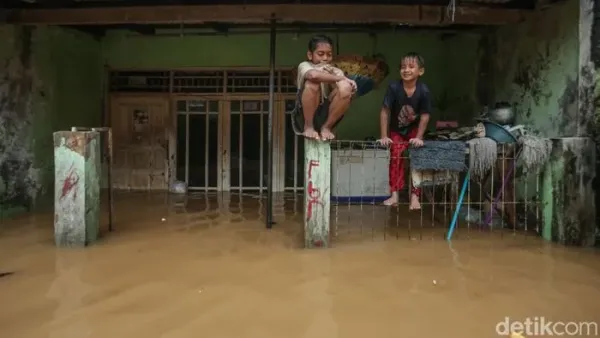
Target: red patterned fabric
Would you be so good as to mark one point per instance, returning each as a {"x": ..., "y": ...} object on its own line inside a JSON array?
[{"x": 398, "y": 163}]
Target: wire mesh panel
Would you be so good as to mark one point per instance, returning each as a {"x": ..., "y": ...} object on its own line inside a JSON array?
[{"x": 502, "y": 199}]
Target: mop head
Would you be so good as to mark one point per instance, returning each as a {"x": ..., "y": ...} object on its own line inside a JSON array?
[
  {"x": 439, "y": 155},
  {"x": 535, "y": 152},
  {"x": 483, "y": 153}
]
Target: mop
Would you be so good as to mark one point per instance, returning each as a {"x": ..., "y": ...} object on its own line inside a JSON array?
[
  {"x": 483, "y": 153},
  {"x": 506, "y": 180},
  {"x": 535, "y": 152},
  {"x": 463, "y": 190}
]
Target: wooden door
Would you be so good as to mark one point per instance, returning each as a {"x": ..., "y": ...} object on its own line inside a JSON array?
[{"x": 141, "y": 127}]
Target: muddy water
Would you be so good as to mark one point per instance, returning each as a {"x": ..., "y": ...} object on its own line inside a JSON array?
[{"x": 210, "y": 269}]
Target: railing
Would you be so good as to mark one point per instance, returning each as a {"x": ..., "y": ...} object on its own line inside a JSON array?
[{"x": 499, "y": 196}]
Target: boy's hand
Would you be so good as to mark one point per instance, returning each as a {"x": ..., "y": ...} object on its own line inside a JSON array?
[
  {"x": 353, "y": 84},
  {"x": 386, "y": 141},
  {"x": 416, "y": 142}
]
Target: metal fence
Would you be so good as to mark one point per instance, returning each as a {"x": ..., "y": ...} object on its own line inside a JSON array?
[{"x": 503, "y": 199}]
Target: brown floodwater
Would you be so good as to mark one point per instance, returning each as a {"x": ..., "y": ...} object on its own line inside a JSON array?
[{"x": 209, "y": 268}]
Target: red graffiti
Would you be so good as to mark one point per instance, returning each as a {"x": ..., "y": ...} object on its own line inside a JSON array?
[
  {"x": 311, "y": 164},
  {"x": 313, "y": 198},
  {"x": 70, "y": 183}
]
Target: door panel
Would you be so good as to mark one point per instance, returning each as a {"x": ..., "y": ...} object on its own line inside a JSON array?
[{"x": 140, "y": 128}]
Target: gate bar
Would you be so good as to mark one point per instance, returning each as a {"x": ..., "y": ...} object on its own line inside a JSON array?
[{"x": 270, "y": 124}]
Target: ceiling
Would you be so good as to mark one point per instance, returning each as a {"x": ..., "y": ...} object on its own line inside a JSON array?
[{"x": 23, "y": 4}]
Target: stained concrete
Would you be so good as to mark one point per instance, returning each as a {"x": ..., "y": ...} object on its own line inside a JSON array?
[
  {"x": 50, "y": 79},
  {"x": 535, "y": 67},
  {"x": 543, "y": 67},
  {"x": 77, "y": 188}
]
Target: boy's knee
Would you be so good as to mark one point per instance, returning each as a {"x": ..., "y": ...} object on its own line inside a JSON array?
[{"x": 344, "y": 90}]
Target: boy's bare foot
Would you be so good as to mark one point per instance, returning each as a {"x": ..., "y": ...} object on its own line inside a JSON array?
[
  {"x": 414, "y": 202},
  {"x": 311, "y": 133},
  {"x": 326, "y": 134},
  {"x": 393, "y": 200}
]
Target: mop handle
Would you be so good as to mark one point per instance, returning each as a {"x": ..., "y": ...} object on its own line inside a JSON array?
[
  {"x": 463, "y": 190},
  {"x": 507, "y": 178}
]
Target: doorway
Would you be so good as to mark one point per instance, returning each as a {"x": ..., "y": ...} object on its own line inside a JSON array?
[
  {"x": 222, "y": 144},
  {"x": 198, "y": 143},
  {"x": 248, "y": 148},
  {"x": 139, "y": 124}
]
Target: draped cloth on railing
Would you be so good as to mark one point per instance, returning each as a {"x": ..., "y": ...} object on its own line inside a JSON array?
[{"x": 439, "y": 155}]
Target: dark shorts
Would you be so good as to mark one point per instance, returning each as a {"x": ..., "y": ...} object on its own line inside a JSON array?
[{"x": 318, "y": 120}]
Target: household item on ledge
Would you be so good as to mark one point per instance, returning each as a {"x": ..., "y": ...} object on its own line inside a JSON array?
[
  {"x": 441, "y": 125},
  {"x": 502, "y": 113},
  {"x": 438, "y": 155},
  {"x": 497, "y": 132},
  {"x": 455, "y": 134}
]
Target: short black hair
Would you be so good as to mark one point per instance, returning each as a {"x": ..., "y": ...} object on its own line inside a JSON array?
[
  {"x": 317, "y": 39},
  {"x": 413, "y": 55}
]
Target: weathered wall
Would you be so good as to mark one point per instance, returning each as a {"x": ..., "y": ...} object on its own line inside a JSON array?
[
  {"x": 50, "y": 79},
  {"x": 535, "y": 67},
  {"x": 453, "y": 87},
  {"x": 590, "y": 58},
  {"x": 542, "y": 66}
]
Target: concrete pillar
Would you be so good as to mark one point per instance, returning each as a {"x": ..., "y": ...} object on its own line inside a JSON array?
[
  {"x": 77, "y": 188},
  {"x": 569, "y": 208},
  {"x": 317, "y": 183}
]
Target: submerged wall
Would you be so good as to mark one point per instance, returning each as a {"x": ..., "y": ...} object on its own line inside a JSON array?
[
  {"x": 50, "y": 79},
  {"x": 453, "y": 88}
]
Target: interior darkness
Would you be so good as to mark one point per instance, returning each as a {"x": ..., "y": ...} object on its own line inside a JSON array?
[
  {"x": 17, "y": 4},
  {"x": 254, "y": 113},
  {"x": 197, "y": 143}
]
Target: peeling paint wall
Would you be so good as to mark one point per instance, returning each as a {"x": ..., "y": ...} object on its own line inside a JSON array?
[
  {"x": 50, "y": 79},
  {"x": 535, "y": 66},
  {"x": 543, "y": 67}
]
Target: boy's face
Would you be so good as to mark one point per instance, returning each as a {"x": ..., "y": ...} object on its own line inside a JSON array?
[
  {"x": 322, "y": 54},
  {"x": 410, "y": 70}
]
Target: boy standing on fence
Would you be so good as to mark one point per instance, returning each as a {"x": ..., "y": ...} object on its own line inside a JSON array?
[
  {"x": 324, "y": 92},
  {"x": 404, "y": 117}
]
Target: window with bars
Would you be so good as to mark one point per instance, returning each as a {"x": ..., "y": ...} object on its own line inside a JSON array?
[
  {"x": 210, "y": 82},
  {"x": 201, "y": 82},
  {"x": 139, "y": 81}
]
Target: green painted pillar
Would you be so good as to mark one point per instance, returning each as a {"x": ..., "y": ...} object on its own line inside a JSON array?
[
  {"x": 317, "y": 183},
  {"x": 568, "y": 198},
  {"x": 76, "y": 188}
]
